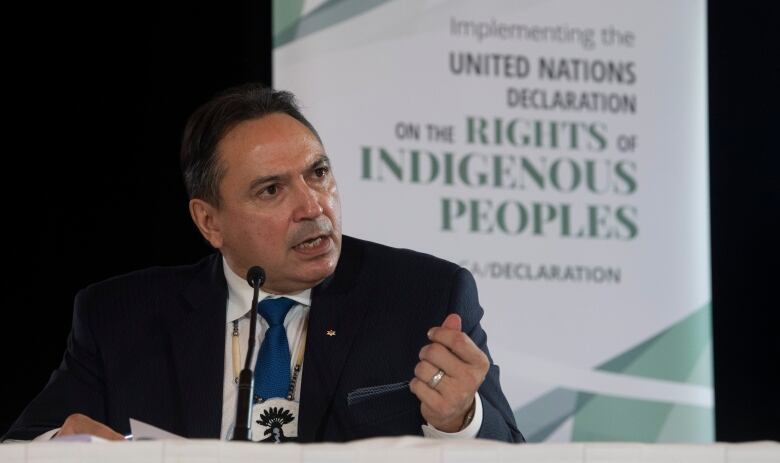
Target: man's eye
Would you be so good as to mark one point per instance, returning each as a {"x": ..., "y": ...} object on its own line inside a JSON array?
[
  {"x": 321, "y": 171},
  {"x": 269, "y": 190}
]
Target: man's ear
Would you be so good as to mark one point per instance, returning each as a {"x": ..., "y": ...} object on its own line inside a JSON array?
[{"x": 205, "y": 217}]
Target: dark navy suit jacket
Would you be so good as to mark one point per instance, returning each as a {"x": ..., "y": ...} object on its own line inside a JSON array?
[{"x": 150, "y": 345}]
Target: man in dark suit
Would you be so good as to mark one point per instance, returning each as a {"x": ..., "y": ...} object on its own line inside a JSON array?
[{"x": 153, "y": 345}]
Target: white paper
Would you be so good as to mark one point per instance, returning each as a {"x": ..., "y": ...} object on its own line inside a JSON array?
[
  {"x": 78, "y": 438},
  {"x": 145, "y": 431}
]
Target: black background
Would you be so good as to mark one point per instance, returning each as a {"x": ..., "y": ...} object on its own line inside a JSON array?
[{"x": 95, "y": 102}]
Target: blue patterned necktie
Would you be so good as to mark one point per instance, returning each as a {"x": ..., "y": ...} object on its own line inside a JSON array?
[{"x": 272, "y": 371}]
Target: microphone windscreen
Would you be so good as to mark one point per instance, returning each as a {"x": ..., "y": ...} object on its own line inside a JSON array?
[{"x": 255, "y": 276}]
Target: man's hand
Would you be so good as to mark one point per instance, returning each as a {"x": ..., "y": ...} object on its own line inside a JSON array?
[
  {"x": 82, "y": 424},
  {"x": 445, "y": 405}
]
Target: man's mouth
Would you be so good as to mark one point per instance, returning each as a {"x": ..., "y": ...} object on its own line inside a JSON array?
[{"x": 311, "y": 244}]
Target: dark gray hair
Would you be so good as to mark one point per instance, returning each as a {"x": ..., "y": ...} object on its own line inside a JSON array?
[{"x": 200, "y": 164}]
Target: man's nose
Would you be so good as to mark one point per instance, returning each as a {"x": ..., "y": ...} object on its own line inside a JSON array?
[{"x": 307, "y": 203}]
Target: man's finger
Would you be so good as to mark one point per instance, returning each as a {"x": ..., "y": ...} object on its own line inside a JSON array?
[
  {"x": 442, "y": 358},
  {"x": 107, "y": 433},
  {"x": 424, "y": 371},
  {"x": 452, "y": 322},
  {"x": 429, "y": 397},
  {"x": 459, "y": 343}
]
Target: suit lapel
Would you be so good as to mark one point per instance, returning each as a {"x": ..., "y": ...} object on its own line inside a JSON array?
[
  {"x": 339, "y": 311},
  {"x": 198, "y": 345}
]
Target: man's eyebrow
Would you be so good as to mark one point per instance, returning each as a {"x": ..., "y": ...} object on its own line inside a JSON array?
[
  {"x": 320, "y": 161},
  {"x": 263, "y": 180}
]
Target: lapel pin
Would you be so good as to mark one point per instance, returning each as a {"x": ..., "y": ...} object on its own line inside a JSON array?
[{"x": 331, "y": 333}]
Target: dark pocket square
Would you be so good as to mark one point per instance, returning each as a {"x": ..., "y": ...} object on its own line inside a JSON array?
[
  {"x": 379, "y": 403},
  {"x": 364, "y": 393}
]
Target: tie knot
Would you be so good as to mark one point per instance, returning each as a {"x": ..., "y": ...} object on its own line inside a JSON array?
[{"x": 274, "y": 310}]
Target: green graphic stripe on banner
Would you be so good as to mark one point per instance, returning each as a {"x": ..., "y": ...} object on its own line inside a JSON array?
[
  {"x": 686, "y": 423},
  {"x": 681, "y": 353},
  {"x": 606, "y": 418},
  {"x": 702, "y": 370},
  {"x": 540, "y": 418},
  {"x": 285, "y": 14},
  {"x": 672, "y": 355},
  {"x": 328, "y": 14}
]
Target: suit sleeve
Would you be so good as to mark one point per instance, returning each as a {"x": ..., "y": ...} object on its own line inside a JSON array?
[
  {"x": 498, "y": 422},
  {"x": 75, "y": 387}
]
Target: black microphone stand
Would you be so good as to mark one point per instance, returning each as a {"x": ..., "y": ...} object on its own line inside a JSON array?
[{"x": 246, "y": 379}]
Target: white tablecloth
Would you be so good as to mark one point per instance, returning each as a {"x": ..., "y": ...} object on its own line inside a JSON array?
[{"x": 381, "y": 450}]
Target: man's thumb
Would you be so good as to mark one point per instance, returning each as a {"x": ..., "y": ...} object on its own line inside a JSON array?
[{"x": 452, "y": 322}]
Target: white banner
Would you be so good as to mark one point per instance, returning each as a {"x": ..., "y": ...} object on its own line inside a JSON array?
[{"x": 558, "y": 150}]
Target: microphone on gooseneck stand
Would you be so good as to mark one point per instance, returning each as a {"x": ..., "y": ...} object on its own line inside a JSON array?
[{"x": 243, "y": 429}]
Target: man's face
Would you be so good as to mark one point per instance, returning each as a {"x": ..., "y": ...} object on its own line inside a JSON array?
[{"x": 280, "y": 206}]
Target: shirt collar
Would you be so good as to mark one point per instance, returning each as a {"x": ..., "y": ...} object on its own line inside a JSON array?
[{"x": 240, "y": 295}]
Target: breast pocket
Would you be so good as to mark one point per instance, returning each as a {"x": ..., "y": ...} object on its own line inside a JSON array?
[{"x": 385, "y": 410}]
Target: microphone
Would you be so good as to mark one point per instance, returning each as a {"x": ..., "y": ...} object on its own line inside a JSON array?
[
  {"x": 243, "y": 430},
  {"x": 255, "y": 277}
]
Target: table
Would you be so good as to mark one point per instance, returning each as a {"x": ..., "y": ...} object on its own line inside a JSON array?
[{"x": 385, "y": 450}]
